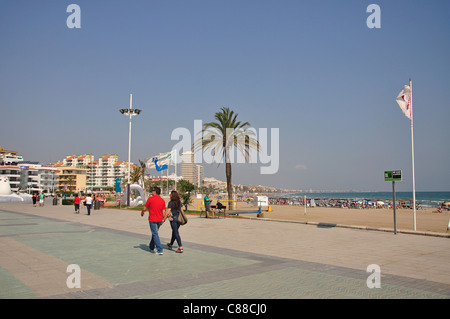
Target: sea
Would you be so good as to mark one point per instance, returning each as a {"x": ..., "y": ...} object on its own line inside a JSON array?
[{"x": 424, "y": 199}]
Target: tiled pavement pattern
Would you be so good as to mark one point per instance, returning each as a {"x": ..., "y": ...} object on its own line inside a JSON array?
[{"x": 221, "y": 259}]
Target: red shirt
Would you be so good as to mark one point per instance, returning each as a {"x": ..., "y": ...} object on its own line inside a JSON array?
[
  {"x": 76, "y": 200},
  {"x": 156, "y": 206}
]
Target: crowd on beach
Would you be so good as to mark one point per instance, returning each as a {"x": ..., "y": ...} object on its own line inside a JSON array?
[{"x": 342, "y": 203}]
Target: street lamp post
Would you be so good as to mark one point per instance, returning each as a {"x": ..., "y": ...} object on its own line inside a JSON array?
[{"x": 129, "y": 112}]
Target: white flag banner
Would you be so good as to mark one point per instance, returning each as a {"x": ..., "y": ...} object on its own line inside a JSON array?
[
  {"x": 167, "y": 158},
  {"x": 404, "y": 100},
  {"x": 161, "y": 159}
]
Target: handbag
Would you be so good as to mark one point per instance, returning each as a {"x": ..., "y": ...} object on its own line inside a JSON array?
[{"x": 182, "y": 219}]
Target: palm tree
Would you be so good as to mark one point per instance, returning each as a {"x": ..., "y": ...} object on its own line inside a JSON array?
[
  {"x": 135, "y": 174},
  {"x": 143, "y": 167},
  {"x": 220, "y": 136}
]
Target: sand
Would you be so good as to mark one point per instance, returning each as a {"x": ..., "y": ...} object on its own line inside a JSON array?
[{"x": 427, "y": 220}]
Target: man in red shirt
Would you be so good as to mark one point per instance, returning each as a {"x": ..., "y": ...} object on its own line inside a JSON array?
[
  {"x": 155, "y": 205},
  {"x": 76, "y": 201}
]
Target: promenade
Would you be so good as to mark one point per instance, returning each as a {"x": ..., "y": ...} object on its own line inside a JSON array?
[{"x": 226, "y": 258}]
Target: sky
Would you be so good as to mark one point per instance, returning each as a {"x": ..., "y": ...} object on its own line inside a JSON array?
[{"x": 314, "y": 70}]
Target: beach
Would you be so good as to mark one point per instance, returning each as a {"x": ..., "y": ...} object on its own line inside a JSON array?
[{"x": 427, "y": 220}]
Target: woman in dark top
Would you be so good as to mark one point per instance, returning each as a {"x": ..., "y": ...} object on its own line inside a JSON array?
[
  {"x": 172, "y": 212},
  {"x": 34, "y": 199}
]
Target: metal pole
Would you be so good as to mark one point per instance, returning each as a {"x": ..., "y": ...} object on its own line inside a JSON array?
[
  {"x": 412, "y": 156},
  {"x": 129, "y": 149},
  {"x": 395, "y": 213},
  {"x": 128, "y": 194},
  {"x": 129, "y": 136}
]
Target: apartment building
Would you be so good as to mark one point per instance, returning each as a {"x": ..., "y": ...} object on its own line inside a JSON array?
[
  {"x": 96, "y": 175},
  {"x": 37, "y": 178},
  {"x": 71, "y": 178},
  {"x": 104, "y": 172},
  {"x": 78, "y": 160},
  {"x": 9, "y": 167}
]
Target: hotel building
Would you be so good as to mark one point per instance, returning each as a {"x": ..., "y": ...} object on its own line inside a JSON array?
[
  {"x": 91, "y": 175},
  {"x": 190, "y": 171}
]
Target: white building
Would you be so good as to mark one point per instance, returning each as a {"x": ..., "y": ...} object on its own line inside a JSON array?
[
  {"x": 78, "y": 160},
  {"x": 106, "y": 170},
  {"x": 37, "y": 178},
  {"x": 26, "y": 176},
  {"x": 9, "y": 167},
  {"x": 101, "y": 173},
  {"x": 212, "y": 182}
]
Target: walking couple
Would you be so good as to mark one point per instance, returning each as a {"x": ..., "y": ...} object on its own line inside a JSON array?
[{"x": 158, "y": 214}]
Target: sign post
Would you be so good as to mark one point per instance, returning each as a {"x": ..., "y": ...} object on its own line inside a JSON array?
[
  {"x": 305, "y": 204},
  {"x": 393, "y": 176}
]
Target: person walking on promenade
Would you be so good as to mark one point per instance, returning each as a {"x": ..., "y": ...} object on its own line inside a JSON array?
[
  {"x": 76, "y": 201},
  {"x": 88, "y": 203},
  {"x": 34, "y": 199},
  {"x": 173, "y": 210},
  {"x": 155, "y": 205},
  {"x": 207, "y": 202},
  {"x": 41, "y": 199}
]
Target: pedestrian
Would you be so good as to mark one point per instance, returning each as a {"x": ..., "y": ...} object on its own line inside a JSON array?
[
  {"x": 41, "y": 199},
  {"x": 155, "y": 205},
  {"x": 207, "y": 202},
  {"x": 76, "y": 201},
  {"x": 172, "y": 212},
  {"x": 88, "y": 203},
  {"x": 34, "y": 199}
]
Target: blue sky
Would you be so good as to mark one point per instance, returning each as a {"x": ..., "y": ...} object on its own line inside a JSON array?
[{"x": 313, "y": 69}]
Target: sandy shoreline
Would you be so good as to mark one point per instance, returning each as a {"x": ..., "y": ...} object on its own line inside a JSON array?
[{"x": 426, "y": 220}]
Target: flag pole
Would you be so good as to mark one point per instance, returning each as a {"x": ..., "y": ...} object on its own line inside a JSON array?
[
  {"x": 412, "y": 156},
  {"x": 175, "y": 163}
]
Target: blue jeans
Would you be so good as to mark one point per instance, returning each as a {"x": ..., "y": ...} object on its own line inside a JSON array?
[
  {"x": 154, "y": 227},
  {"x": 175, "y": 233}
]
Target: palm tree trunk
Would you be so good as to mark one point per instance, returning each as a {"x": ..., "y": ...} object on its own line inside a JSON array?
[
  {"x": 229, "y": 185},
  {"x": 228, "y": 173}
]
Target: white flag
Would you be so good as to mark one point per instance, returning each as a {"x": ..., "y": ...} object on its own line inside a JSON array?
[
  {"x": 404, "y": 100},
  {"x": 161, "y": 159},
  {"x": 166, "y": 158}
]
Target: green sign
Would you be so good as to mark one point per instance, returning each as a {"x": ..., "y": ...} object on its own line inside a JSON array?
[{"x": 393, "y": 176}]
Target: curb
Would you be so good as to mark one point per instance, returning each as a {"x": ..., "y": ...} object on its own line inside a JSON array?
[{"x": 331, "y": 225}]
